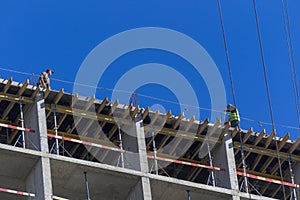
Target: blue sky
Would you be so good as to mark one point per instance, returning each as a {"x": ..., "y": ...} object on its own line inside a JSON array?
[{"x": 35, "y": 35}]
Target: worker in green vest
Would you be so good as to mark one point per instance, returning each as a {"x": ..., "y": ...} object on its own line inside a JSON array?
[{"x": 233, "y": 115}]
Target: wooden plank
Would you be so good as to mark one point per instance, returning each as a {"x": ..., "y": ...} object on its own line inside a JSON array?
[
  {"x": 283, "y": 141},
  {"x": 185, "y": 129},
  {"x": 266, "y": 145},
  {"x": 248, "y": 134},
  {"x": 102, "y": 105},
  {"x": 146, "y": 112},
  {"x": 294, "y": 146},
  {"x": 7, "y": 85},
  {"x": 56, "y": 100},
  {"x": 178, "y": 120}
]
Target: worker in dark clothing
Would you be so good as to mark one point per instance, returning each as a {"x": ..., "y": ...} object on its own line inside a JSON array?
[
  {"x": 44, "y": 80},
  {"x": 233, "y": 115}
]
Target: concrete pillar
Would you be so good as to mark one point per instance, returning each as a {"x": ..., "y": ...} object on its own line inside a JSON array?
[
  {"x": 296, "y": 171},
  {"x": 223, "y": 156},
  {"x": 142, "y": 190},
  {"x": 39, "y": 180},
  {"x": 135, "y": 142},
  {"x": 35, "y": 118}
]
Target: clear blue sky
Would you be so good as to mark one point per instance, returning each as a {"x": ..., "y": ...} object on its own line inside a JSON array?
[{"x": 35, "y": 35}]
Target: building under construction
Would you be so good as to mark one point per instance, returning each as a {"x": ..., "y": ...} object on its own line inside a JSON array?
[{"x": 56, "y": 145}]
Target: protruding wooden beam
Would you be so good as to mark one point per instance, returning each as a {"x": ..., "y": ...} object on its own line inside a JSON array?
[
  {"x": 23, "y": 88},
  {"x": 102, "y": 105},
  {"x": 248, "y": 134},
  {"x": 224, "y": 131},
  {"x": 202, "y": 127},
  {"x": 46, "y": 94},
  {"x": 267, "y": 143},
  {"x": 283, "y": 141},
  {"x": 234, "y": 132},
  {"x": 146, "y": 112},
  {"x": 259, "y": 137},
  {"x": 294, "y": 146},
  {"x": 269, "y": 139},
  {"x": 178, "y": 120},
  {"x": 178, "y": 140},
  {"x": 134, "y": 112},
  {"x": 7, "y": 85},
  {"x": 11, "y": 104}
]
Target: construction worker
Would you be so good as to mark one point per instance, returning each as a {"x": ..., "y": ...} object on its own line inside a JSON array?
[
  {"x": 44, "y": 80},
  {"x": 233, "y": 115}
]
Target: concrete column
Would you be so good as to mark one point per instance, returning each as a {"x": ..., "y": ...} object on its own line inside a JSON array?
[
  {"x": 135, "y": 142},
  {"x": 296, "y": 171},
  {"x": 39, "y": 180},
  {"x": 35, "y": 118},
  {"x": 223, "y": 156}
]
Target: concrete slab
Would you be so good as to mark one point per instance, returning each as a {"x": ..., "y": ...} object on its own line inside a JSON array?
[
  {"x": 14, "y": 169},
  {"x": 165, "y": 188},
  {"x": 68, "y": 181}
]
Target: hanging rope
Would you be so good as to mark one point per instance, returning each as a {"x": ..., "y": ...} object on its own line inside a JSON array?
[
  {"x": 288, "y": 39},
  {"x": 226, "y": 51},
  {"x": 268, "y": 90},
  {"x": 246, "y": 183}
]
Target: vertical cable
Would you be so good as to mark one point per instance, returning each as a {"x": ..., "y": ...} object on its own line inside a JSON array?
[
  {"x": 268, "y": 90},
  {"x": 288, "y": 38},
  {"x": 246, "y": 187},
  {"x": 226, "y": 51}
]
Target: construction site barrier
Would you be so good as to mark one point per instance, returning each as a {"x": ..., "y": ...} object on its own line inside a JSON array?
[
  {"x": 87, "y": 143},
  {"x": 123, "y": 151},
  {"x": 17, "y": 192},
  {"x": 187, "y": 163},
  {"x": 17, "y": 128},
  {"x": 177, "y": 161},
  {"x": 268, "y": 180}
]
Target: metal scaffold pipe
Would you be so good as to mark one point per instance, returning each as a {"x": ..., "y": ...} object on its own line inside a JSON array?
[
  {"x": 22, "y": 121},
  {"x": 55, "y": 129}
]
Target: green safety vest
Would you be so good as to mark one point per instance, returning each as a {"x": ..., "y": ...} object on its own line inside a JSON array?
[{"x": 234, "y": 115}]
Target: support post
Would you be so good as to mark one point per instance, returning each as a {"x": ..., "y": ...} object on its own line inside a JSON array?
[
  {"x": 55, "y": 129},
  {"x": 154, "y": 152},
  {"x": 293, "y": 190},
  {"x": 135, "y": 142},
  {"x": 121, "y": 147},
  {"x": 39, "y": 180},
  {"x": 224, "y": 158},
  {"x": 22, "y": 122},
  {"x": 211, "y": 173},
  {"x": 189, "y": 194},
  {"x": 87, "y": 186},
  {"x": 245, "y": 181}
]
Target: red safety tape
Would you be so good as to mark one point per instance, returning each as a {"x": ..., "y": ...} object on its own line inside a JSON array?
[
  {"x": 122, "y": 151},
  {"x": 17, "y": 192},
  {"x": 187, "y": 163},
  {"x": 176, "y": 161},
  {"x": 87, "y": 143},
  {"x": 17, "y": 128},
  {"x": 269, "y": 180}
]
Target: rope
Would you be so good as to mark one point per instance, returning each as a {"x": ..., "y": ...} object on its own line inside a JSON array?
[
  {"x": 268, "y": 90},
  {"x": 246, "y": 181},
  {"x": 288, "y": 39},
  {"x": 226, "y": 52}
]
